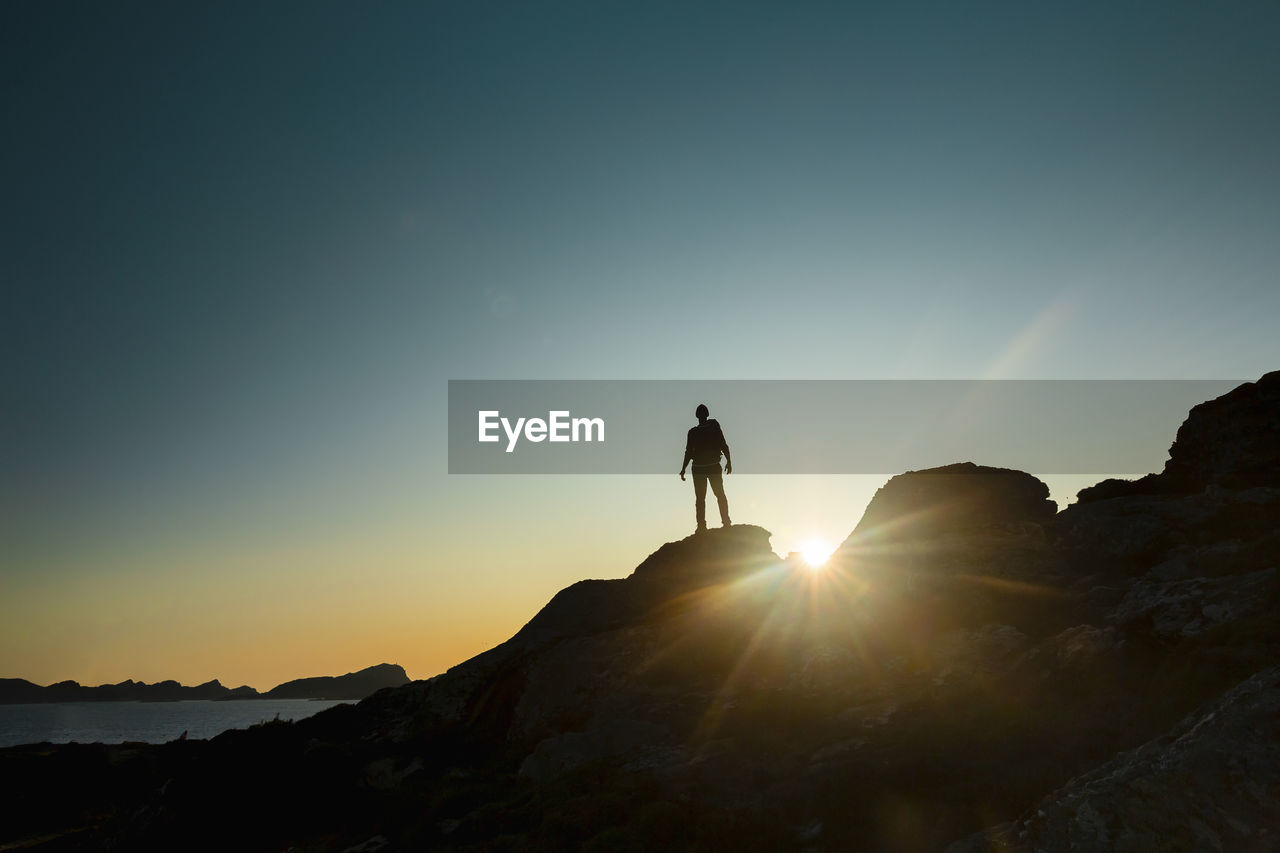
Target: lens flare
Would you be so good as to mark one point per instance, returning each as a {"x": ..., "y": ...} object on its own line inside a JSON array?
[{"x": 816, "y": 552}]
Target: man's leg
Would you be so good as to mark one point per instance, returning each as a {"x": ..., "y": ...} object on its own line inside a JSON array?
[
  {"x": 700, "y": 498},
  {"x": 717, "y": 486}
]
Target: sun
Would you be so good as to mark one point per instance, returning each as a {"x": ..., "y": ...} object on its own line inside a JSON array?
[{"x": 816, "y": 552}]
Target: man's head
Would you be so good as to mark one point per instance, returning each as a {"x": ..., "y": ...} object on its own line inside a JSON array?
[{"x": 702, "y": 412}]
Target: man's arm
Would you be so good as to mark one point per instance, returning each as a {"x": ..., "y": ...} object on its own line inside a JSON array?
[
  {"x": 688, "y": 453},
  {"x": 724, "y": 448}
]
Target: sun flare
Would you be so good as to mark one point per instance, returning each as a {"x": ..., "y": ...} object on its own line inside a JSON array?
[{"x": 816, "y": 552}]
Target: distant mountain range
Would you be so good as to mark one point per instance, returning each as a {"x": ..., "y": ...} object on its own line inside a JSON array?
[{"x": 353, "y": 685}]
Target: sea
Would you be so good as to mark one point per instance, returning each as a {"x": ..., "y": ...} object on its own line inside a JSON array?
[{"x": 145, "y": 722}]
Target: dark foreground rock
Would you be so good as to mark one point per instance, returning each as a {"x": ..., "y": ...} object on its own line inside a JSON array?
[
  {"x": 1211, "y": 783},
  {"x": 1100, "y": 679}
]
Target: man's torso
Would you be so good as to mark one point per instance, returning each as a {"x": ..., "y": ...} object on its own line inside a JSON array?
[{"x": 705, "y": 442}]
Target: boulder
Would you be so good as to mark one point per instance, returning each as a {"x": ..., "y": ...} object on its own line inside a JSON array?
[{"x": 953, "y": 499}]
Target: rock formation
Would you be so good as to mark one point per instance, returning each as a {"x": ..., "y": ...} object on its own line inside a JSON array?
[
  {"x": 1232, "y": 442},
  {"x": 972, "y": 672},
  {"x": 958, "y": 498}
]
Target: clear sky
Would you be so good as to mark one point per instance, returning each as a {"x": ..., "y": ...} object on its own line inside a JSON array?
[{"x": 244, "y": 246}]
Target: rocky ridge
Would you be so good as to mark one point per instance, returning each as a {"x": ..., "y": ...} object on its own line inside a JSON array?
[
  {"x": 973, "y": 672},
  {"x": 353, "y": 685}
]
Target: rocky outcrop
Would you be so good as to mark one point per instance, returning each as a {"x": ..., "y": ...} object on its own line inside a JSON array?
[
  {"x": 1231, "y": 442},
  {"x": 953, "y": 499},
  {"x": 1216, "y": 530},
  {"x": 1188, "y": 608},
  {"x": 969, "y": 666}
]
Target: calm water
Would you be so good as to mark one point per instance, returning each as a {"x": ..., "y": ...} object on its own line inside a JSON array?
[{"x": 149, "y": 722}]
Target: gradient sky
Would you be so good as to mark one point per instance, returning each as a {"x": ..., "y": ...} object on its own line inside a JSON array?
[{"x": 244, "y": 246}]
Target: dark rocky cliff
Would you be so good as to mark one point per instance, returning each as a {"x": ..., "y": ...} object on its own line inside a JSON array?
[
  {"x": 1230, "y": 442},
  {"x": 972, "y": 672}
]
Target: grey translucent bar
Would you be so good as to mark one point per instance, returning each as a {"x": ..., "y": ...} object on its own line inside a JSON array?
[{"x": 821, "y": 426}]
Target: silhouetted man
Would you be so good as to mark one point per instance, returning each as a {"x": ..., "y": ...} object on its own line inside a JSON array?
[{"x": 703, "y": 447}]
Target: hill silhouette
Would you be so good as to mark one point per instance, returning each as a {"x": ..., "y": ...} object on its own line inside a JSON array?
[
  {"x": 972, "y": 672},
  {"x": 353, "y": 685}
]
